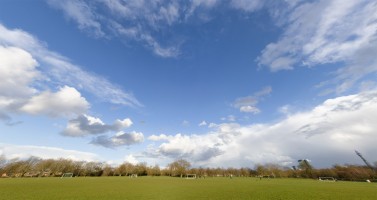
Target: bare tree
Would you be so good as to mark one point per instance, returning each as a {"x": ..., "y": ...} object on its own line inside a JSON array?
[
  {"x": 3, "y": 162},
  {"x": 93, "y": 168},
  {"x": 108, "y": 170},
  {"x": 154, "y": 171},
  {"x": 179, "y": 167},
  {"x": 141, "y": 169},
  {"x": 124, "y": 169}
]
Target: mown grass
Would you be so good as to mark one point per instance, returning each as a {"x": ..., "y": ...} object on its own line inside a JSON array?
[{"x": 166, "y": 188}]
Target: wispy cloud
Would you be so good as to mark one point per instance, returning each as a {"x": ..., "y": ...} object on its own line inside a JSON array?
[
  {"x": 248, "y": 104},
  {"x": 125, "y": 20},
  {"x": 326, "y": 134},
  {"x": 247, "y": 5},
  {"x": 344, "y": 33},
  {"x": 57, "y": 69},
  {"x": 82, "y": 13}
]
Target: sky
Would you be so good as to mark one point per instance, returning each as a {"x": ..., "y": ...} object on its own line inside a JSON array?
[{"x": 220, "y": 83}]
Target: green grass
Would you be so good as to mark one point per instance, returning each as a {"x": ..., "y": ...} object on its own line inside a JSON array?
[{"x": 166, "y": 188}]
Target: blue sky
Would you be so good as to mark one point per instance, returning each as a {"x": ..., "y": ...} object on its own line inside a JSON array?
[{"x": 219, "y": 83}]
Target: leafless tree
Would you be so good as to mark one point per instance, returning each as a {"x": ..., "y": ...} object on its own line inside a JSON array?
[{"x": 179, "y": 167}]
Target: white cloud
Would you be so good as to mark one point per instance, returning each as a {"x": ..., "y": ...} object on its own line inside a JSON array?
[
  {"x": 248, "y": 104},
  {"x": 120, "y": 139},
  {"x": 207, "y": 3},
  {"x": 125, "y": 123},
  {"x": 211, "y": 125},
  {"x": 86, "y": 125},
  {"x": 286, "y": 109},
  {"x": 249, "y": 109},
  {"x": 170, "y": 13},
  {"x": 19, "y": 73},
  {"x": 158, "y": 49},
  {"x": 60, "y": 71},
  {"x": 198, "y": 148},
  {"x": 65, "y": 102},
  {"x": 247, "y": 5},
  {"x": 323, "y": 32},
  {"x": 131, "y": 159},
  {"x": 81, "y": 13},
  {"x": 18, "y": 69},
  {"x": 327, "y": 134},
  {"x": 195, "y": 4},
  {"x": 26, "y": 151},
  {"x": 157, "y": 137},
  {"x": 136, "y": 33},
  {"x": 125, "y": 20},
  {"x": 203, "y": 123},
  {"x": 140, "y": 21},
  {"x": 230, "y": 118}
]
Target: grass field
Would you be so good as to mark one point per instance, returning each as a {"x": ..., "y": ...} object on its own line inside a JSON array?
[{"x": 166, "y": 188}]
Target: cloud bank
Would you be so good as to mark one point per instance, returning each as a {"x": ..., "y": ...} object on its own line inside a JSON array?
[
  {"x": 44, "y": 152},
  {"x": 326, "y": 134}
]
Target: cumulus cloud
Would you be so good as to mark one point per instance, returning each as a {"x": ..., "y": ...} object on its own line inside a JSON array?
[
  {"x": 26, "y": 151},
  {"x": 131, "y": 159},
  {"x": 327, "y": 134},
  {"x": 342, "y": 33},
  {"x": 88, "y": 125},
  {"x": 57, "y": 69},
  {"x": 67, "y": 101},
  {"x": 198, "y": 148},
  {"x": 119, "y": 139},
  {"x": 248, "y": 104},
  {"x": 18, "y": 69},
  {"x": 18, "y": 73}
]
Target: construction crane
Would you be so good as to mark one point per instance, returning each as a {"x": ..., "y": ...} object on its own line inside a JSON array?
[{"x": 366, "y": 162}]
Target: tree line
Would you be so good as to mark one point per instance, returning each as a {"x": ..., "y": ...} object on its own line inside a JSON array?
[{"x": 37, "y": 167}]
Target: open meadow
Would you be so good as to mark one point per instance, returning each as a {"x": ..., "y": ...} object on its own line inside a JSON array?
[{"x": 166, "y": 188}]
